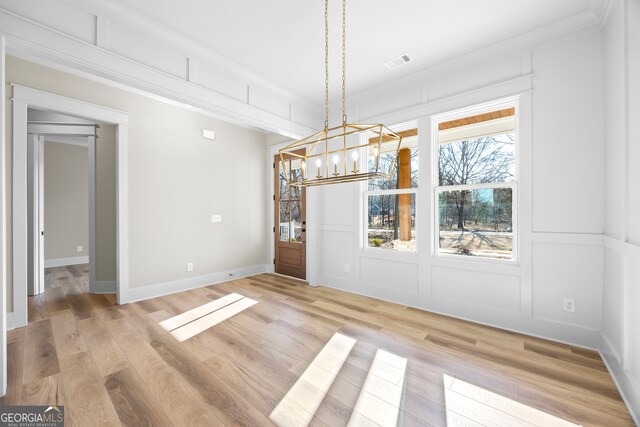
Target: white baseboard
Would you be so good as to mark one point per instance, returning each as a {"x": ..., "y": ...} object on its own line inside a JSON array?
[
  {"x": 61, "y": 262},
  {"x": 627, "y": 386},
  {"x": 166, "y": 288},
  {"x": 104, "y": 287}
]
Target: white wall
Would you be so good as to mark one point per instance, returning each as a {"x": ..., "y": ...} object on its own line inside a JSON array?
[
  {"x": 177, "y": 180},
  {"x": 66, "y": 201},
  {"x": 621, "y": 317},
  {"x": 561, "y": 196}
]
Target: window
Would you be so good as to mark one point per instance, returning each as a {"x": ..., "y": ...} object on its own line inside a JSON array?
[
  {"x": 390, "y": 202},
  {"x": 476, "y": 185}
]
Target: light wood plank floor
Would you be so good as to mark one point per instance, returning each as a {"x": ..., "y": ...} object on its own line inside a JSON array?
[{"x": 114, "y": 365}]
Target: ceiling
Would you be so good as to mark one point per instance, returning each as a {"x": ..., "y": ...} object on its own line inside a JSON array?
[{"x": 283, "y": 40}]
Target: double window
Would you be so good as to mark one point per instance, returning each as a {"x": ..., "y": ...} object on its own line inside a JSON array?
[{"x": 474, "y": 184}]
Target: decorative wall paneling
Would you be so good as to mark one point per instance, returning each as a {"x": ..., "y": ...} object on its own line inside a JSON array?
[{"x": 63, "y": 35}]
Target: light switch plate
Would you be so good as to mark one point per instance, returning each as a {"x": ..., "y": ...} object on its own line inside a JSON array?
[{"x": 216, "y": 218}]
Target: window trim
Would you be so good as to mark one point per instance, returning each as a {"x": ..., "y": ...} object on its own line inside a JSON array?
[{"x": 436, "y": 189}]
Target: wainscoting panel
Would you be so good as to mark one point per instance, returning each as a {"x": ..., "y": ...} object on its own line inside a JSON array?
[
  {"x": 493, "y": 72},
  {"x": 568, "y": 271},
  {"x": 138, "y": 48},
  {"x": 400, "y": 277},
  {"x": 486, "y": 290},
  {"x": 218, "y": 79},
  {"x": 393, "y": 101},
  {"x": 612, "y": 301},
  {"x": 56, "y": 14},
  {"x": 337, "y": 254},
  {"x": 267, "y": 100},
  {"x": 620, "y": 346}
]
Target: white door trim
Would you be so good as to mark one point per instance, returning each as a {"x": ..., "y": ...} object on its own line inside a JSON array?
[{"x": 24, "y": 98}]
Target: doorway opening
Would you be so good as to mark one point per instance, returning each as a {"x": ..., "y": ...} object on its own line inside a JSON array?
[
  {"x": 24, "y": 233},
  {"x": 58, "y": 167},
  {"x": 68, "y": 248}
]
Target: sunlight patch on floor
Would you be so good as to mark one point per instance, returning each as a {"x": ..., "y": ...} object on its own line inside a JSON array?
[
  {"x": 468, "y": 404},
  {"x": 190, "y": 323},
  {"x": 299, "y": 405}
]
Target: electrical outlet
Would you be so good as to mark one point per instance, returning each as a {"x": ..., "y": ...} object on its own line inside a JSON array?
[
  {"x": 189, "y": 266},
  {"x": 79, "y": 248},
  {"x": 216, "y": 218},
  {"x": 347, "y": 268},
  {"x": 569, "y": 304}
]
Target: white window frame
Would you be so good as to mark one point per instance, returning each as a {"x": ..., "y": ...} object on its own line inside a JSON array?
[
  {"x": 365, "y": 200},
  {"x": 436, "y": 188}
]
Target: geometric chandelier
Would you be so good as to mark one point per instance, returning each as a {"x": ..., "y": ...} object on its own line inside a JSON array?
[{"x": 332, "y": 155}]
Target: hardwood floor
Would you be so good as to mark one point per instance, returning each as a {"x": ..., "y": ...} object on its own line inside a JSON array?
[{"x": 115, "y": 365}]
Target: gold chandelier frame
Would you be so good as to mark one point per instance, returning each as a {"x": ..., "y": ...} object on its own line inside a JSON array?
[
  {"x": 324, "y": 146},
  {"x": 317, "y": 147}
]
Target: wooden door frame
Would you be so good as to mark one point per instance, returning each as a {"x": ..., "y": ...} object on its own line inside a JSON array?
[{"x": 276, "y": 210}]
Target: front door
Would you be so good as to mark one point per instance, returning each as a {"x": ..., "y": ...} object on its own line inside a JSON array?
[{"x": 290, "y": 221}]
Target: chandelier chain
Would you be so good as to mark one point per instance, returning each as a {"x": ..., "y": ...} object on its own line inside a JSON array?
[
  {"x": 344, "y": 61},
  {"x": 326, "y": 64}
]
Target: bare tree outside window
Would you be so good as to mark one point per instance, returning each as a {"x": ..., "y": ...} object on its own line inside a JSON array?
[{"x": 476, "y": 217}]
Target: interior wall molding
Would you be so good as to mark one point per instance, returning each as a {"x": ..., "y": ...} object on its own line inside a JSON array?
[
  {"x": 581, "y": 23},
  {"x": 118, "y": 40},
  {"x": 132, "y": 65}
]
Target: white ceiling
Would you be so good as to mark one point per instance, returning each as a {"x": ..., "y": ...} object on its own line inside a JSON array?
[{"x": 283, "y": 40}]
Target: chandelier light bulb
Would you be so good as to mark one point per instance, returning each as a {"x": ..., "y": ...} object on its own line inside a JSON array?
[
  {"x": 336, "y": 159},
  {"x": 318, "y": 162},
  {"x": 354, "y": 156}
]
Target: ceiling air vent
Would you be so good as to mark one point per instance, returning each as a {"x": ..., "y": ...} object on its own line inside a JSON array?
[{"x": 397, "y": 62}]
